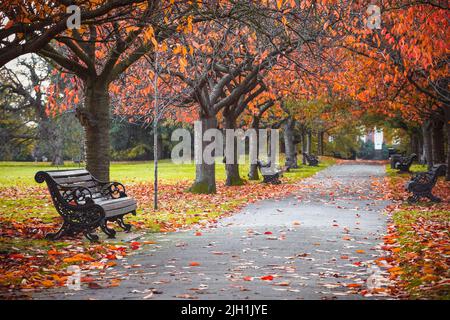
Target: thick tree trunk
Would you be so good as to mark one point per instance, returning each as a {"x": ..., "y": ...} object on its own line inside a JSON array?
[
  {"x": 232, "y": 169},
  {"x": 309, "y": 142},
  {"x": 205, "y": 174},
  {"x": 253, "y": 173},
  {"x": 320, "y": 143},
  {"x": 447, "y": 129},
  {"x": 303, "y": 144},
  {"x": 289, "y": 146},
  {"x": 427, "y": 144},
  {"x": 96, "y": 122},
  {"x": 414, "y": 143},
  {"x": 438, "y": 145}
]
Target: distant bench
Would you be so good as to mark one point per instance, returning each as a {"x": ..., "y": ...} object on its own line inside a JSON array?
[
  {"x": 422, "y": 183},
  {"x": 270, "y": 175},
  {"x": 86, "y": 203},
  {"x": 403, "y": 164},
  {"x": 312, "y": 160}
]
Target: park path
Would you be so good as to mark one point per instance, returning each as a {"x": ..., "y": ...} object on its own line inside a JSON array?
[{"x": 316, "y": 244}]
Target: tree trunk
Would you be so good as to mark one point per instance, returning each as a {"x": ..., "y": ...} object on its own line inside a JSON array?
[
  {"x": 414, "y": 143},
  {"x": 320, "y": 143},
  {"x": 303, "y": 147},
  {"x": 58, "y": 145},
  {"x": 427, "y": 144},
  {"x": 289, "y": 146},
  {"x": 205, "y": 174},
  {"x": 159, "y": 147},
  {"x": 447, "y": 129},
  {"x": 232, "y": 169},
  {"x": 308, "y": 142},
  {"x": 437, "y": 136},
  {"x": 253, "y": 174},
  {"x": 96, "y": 122}
]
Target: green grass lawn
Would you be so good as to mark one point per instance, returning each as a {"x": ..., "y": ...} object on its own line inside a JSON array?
[
  {"x": 22, "y": 203},
  {"x": 22, "y": 173},
  {"x": 416, "y": 167}
]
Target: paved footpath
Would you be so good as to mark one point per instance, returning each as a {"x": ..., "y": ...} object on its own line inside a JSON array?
[{"x": 316, "y": 244}]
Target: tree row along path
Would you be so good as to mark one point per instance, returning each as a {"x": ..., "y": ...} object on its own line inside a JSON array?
[{"x": 320, "y": 243}]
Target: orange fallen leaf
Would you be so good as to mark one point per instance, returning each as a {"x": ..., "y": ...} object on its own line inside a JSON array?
[
  {"x": 80, "y": 257},
  {"x": 115, "y": 282},
  {"x": 47, "y": 283}
]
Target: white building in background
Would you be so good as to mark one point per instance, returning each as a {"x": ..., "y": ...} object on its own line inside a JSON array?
[
  {"x": 375, "y": 136},
  {"x": 378, "y": 139}
]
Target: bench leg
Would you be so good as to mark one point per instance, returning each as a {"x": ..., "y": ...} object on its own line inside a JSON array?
[
  {"x": 413, "y": 199},
  {"x": 125, "y": 226},
  {"x": 111, "y": 233},
  {"x": 92, "y": 237},
  {"x": 64, "y": 230},
  {"x": 433, "y": 198}
]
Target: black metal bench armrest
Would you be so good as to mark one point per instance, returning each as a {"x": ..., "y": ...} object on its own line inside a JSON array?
[
  {"x": 113, "y": 189},
  {"x": 77, "y": 195}
]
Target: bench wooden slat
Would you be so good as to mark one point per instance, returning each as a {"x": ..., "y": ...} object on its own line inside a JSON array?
[
  {"x": 73, "y": 179},
  {"x": 116, "y": 203},
  {"x": 120, "y": 211},
  {"x": 67, "y": 173}
]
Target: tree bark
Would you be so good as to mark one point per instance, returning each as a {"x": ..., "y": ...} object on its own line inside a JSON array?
[
  {"x": 308, "y": 142},
  {"x": 320, "y": 142},
  {"x": 253, "y": 173},
  {"x": 437, "y": 136},
  {"x": 427, "y": 144},
  {"x": 303, "y": 147},
  {"x": 413, "y": 143},
  {"x": 95, "y": 119},
  {"x": 447, "y": 129},
  {"x": 205, "y": 174},
  {"x": 232, "y": 169},
  {"x": 159, "y": 147},
  {"x": 289, "y": 146}
]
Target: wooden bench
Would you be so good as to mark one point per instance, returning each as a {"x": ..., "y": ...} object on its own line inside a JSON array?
[
  {"x": 404, "y": 163},
  {"x": 422, "y": 183},
  {"x": 395, "y": 158},
  {"x": 86, "y": 203},
  {"x": 311, "y": 159},
  {"x": 270, "y": 175}
]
